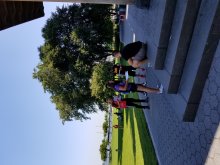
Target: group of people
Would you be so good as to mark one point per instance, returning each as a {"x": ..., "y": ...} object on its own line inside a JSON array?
[
  {"x": 121, "y": 103},
  {"x": 120, "y": 70},
  {"x": 135, "y": 55}
]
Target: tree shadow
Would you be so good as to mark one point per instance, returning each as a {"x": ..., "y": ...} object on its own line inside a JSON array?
[
  {"x": 130, "y": 95},
  {"x": 126, "y": 115},
  {"x": 149, "y": 154},
  {"x": 120, "y": 141},
  {"x": 131, "y": 117}
]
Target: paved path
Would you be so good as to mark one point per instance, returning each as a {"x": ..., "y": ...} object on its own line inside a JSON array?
[{"x": 177, "y": 142}]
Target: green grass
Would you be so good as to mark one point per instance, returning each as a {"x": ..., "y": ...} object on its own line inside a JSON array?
[{"x": 133, "y": 141}]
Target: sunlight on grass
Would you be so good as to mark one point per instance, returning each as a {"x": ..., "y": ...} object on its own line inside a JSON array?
[
  {"x": 136, "y": 147},
  {"x": 133, "y": 142}
]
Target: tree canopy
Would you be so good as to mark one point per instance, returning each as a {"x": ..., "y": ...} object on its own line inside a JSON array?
[
  {"x": 76, "y": 38},
  {"x": 102, "y": 149},
  {"x": 101, "y": 74}
]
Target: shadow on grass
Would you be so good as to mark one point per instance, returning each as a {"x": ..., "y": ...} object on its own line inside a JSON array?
[
  {"x": 131, "y": 117},
  {"x": 120, "y": 141},
  {"x": 127, "y": 114},
  {"x": 149, "y": 154}
]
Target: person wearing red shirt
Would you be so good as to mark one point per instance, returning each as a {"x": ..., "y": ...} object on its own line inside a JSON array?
[{"x": 123, "y": 103}]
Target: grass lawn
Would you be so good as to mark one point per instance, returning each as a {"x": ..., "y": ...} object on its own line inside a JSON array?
[{"x": 133, "y": 142}]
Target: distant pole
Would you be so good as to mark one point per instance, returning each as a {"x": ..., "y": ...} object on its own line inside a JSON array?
[
  {"x": 100, "y": 132},
  {"x": 84, "y": 1}
]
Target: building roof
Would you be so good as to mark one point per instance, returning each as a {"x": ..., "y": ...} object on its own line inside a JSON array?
[{"x": 14, "y": 13}]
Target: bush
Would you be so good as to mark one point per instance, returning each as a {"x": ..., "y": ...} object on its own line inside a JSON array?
[
  {"x": 105, "y": 127},
  {"x": 102, "y": 149}
]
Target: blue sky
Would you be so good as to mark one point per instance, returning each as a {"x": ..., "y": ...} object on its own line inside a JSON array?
[{"x": 31, "y": 131}]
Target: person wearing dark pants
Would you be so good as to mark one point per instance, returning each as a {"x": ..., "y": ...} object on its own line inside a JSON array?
[
  {"x": 126, "y": 103},
  {"x": 120, "y": 71},
  {"x": 126, "y": 87}
]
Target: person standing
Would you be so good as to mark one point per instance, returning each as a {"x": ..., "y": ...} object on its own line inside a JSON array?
[
  {"x": 119, "y": 98},
  {"x": 117, "y": 126},
  {"x": 126, "y": 104},
  {"x": 126, "y": 87},
  {"x": 134, "y": 53},
  {"x": 120, "y": 71}
]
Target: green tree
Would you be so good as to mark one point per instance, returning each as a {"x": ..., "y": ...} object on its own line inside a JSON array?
[
  {"x": 75, "y": 39},
  {"x": 105, "y": 125},
  {"x": 102, "y": 149},
  {"x": 100, "y": 75}
]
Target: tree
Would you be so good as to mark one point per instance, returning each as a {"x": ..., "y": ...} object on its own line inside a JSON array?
[
  {"x": 87, "y": 27},
  {"x": 76, "y": 37},
  {"x": 105, "y": 127},
  {"x": 100, "y": 76},
  {"x": 102, "y": 149}
]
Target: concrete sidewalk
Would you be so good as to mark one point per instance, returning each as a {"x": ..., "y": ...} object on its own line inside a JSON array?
[{"x": 178, "y": 142}]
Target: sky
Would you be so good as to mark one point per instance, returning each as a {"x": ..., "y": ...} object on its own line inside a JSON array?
[{"x": 31, "y": 131}]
